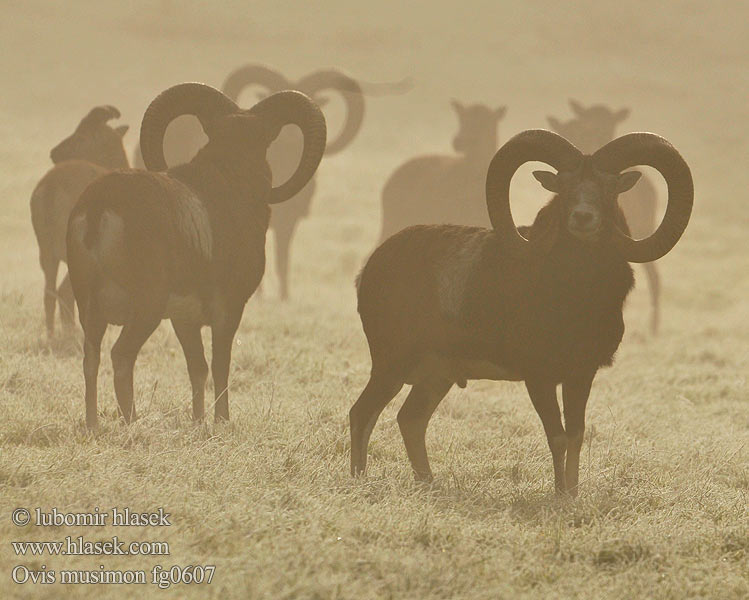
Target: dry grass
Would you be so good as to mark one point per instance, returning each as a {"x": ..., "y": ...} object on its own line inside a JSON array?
[{"x": 267, "y": 498}]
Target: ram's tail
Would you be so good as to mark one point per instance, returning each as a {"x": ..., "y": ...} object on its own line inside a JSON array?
[{"x": 96, "y": 250}]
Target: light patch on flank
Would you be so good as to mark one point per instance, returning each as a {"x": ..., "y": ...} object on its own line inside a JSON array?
[
  {"x": 111, "y": 237},
  {"x": 452, "y": 273}
]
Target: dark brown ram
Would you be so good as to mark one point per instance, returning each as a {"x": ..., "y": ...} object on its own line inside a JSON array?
[
  {"x": 187, "y": 244},
  {"x": 444, "y": 304}
]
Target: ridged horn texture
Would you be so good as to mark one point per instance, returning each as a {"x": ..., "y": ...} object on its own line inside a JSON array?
[
  {"x": 330, "y": 79},
  {"x": 295, "y": 108},
  {"x": 198, "y": 99},
  {"x": 654, "y": 151},
  {"x": 533, "y": 144},
  {"x": 248, "y": 75}
]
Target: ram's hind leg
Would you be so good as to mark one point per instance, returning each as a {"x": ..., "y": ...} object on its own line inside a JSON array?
[
  {"x": 544, "y": 397},
  {"x": 94, "y": 326},
  {"x": 50, "y": 266},
  {"x": 124, "y": 352},
  {"x": 413, "y": 419},
  {"x": 192, "y": 345},
  {"x": 381, "y": 388}
]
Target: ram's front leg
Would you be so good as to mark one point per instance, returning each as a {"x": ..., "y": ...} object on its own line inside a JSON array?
[
  {"x": 575, "y": 392},
  {"x": 222, "y": 336},
  {"x": 284, "y": 232},
  {"x": 544, "y": 397},
  {"x": 192, "y": 344}
]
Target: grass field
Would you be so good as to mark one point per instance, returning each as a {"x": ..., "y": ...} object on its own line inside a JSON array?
[{"x": 267, "y": 498}]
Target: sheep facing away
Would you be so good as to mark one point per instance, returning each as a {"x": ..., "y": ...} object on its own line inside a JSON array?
[
  {"x": 93, "y": 149},
  {"x": 591, "y": 128},
  {"x": 443, "y": 304},
  {"x": 445, "y": 189},
  {"x": 183, "y": 140},
  {"x": 187, "y": 244}
]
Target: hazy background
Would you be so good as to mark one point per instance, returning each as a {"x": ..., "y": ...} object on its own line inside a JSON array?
[
  {"x": 683, "y": 68},
  {"x": 268, "y": 498}
]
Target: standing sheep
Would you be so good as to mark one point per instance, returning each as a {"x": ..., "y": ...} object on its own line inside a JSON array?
[
  {"x": 93, "y": 149},
  {"x": 445, "y": 189},
  {"x": 443, "y": 304},
  {"x": 188, "y": 244},
  {"x": 591, "y": 128}
]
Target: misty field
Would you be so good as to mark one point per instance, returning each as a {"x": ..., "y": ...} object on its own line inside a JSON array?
[{"x": 267, "y": 498}]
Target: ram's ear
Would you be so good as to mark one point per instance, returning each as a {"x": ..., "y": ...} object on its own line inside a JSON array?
[
  {"x": 627, "y": 181},
  {"x": 500, "y": 113},
  {"x": 555, "y": 124},
  {"x": 577, "y": 108},
  {"x": 121, "y": 130},
  {"x": 549, "y": 180},
  {"x": 458, "y": 107},
  {"x": 622, "y": 114}
]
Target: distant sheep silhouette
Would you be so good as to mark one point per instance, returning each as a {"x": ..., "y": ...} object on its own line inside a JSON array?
[
  {"x": 442, "y": 188},
  {"x": 93, "y": 149}
]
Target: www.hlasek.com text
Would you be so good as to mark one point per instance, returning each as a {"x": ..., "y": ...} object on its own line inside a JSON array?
[{"x": 82, "y": 547}]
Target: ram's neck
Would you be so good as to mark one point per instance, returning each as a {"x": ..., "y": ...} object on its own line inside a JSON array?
[{"x": 233, "y": 181}]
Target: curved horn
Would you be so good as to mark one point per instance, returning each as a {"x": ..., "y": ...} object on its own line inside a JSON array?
[
  {"x": 387, "y": 88},
  {"x": 534, "y": 144},
  {"x": 294, "y": 108},
  {"x": 249, "y": 75},
  {"x": 196, "y": 99},
  {"x": 654, "y": 151},
  {"x": 315, "y": 82}
]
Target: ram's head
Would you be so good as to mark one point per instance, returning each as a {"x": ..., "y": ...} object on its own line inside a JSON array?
[
  {"x": 95, "y": 140},
  {"x": 587, "y": 186}
]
